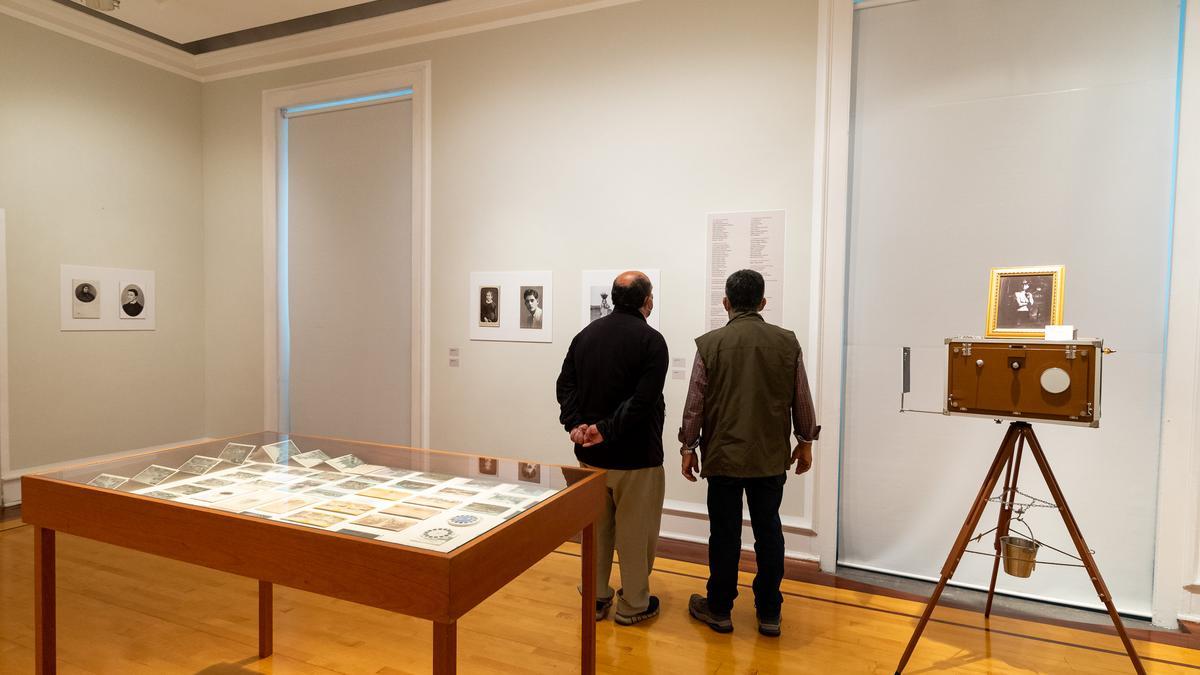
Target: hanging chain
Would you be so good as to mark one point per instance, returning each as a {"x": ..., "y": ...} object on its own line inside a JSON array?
[{"x": 1018, "y": 516}]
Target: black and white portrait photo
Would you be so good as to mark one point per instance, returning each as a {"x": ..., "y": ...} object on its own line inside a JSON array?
[
  {"x": 531, "y": 307},
  {"x": 529, "y": 472},
  {"x": 133, "y": 301},
  {"x": 1024, "y": 302},
  {"x": 488, "y": 466},
  {"x": 85, "y": 303},
  {"x": 489, "y": 306},
  {"x": 601, "y": 302}
]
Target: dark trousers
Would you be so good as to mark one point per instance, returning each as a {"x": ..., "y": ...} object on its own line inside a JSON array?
[{"x": 763, "y": 495}]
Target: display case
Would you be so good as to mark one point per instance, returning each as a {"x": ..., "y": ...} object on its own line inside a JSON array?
[{"x": 425, "y": 533}]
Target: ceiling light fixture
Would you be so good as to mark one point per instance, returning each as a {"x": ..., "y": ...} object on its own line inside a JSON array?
[{"x": 102, "y": 5}]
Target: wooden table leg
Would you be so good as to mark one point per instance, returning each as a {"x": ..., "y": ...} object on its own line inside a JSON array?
[
  {"x": 44, "y": 602},
  {"x": 266, "y": 633},
  {"x": 588, "y": 570},
  {"x": 445, "y": 648}
]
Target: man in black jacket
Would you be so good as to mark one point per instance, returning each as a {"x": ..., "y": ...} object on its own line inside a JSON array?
[{"x": 611, "y": 402}]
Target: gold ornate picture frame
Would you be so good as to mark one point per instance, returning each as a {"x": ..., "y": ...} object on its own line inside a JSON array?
[{"x": 1022, "y": 301}]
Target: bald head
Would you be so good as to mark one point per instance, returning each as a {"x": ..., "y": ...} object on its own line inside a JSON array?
[{"x": 632, "y": 291}]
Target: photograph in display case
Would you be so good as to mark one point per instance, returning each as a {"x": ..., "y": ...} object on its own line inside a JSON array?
[
  {"x": 236, "y": 453},
  {"x": 529, "y": 472},
  {"x": 153, "y": 474},
  {"x": 107, "y": 480},
  {"x": 488, "y": 466},
  {"x": 199, "y": 465},
  {"x": 1022, "y": 301}
]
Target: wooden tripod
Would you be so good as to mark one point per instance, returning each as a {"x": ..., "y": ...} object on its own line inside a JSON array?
[{"x": 1008, "y": 460}]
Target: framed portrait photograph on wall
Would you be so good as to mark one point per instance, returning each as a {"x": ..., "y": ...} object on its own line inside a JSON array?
[{"x": 1022, "y": 301}]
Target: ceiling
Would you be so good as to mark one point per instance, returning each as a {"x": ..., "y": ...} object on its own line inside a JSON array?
[{"x": 201, "y": 26}]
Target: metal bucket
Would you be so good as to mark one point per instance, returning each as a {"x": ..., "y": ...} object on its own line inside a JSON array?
[{"x": 1019, "y": 556}]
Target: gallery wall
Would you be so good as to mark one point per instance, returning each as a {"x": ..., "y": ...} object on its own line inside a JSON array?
[
  {"x": 100, "y": 164},
  {"x": 597, "y": 140}
]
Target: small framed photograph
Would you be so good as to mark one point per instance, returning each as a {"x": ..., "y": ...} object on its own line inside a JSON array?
[
  {"x": 489, "y": 306},
  {"x": 488, "y": 466},
  {"x": 529, "y": 472},
  {"x": 133, "y": 301},
  {"x": 86, "y": 301},
  {"x": 531, "y": 307},
  {"x": 1022, "y": 301}
]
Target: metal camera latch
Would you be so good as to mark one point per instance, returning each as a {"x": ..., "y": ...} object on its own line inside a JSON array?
[
  {"x": 966, "y": 350},
  {"x": 1070, "y": 352}
]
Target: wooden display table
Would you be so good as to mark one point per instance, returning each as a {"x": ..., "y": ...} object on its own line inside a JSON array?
[{"x": 436, "y": 567}]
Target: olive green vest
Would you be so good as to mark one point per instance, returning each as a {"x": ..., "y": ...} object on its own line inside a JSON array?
[{"x": 751, "y": 367}]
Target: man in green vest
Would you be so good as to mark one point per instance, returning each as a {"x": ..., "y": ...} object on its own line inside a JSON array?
[{"x": 748, "y": 393}]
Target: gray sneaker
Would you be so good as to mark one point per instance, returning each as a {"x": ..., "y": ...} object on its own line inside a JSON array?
[
  {"x": 698, "y": 608},
  {"x": 769, "y": 625},
  {"x": 650, "y": 612},
  {"x": 602, "y": 607}
]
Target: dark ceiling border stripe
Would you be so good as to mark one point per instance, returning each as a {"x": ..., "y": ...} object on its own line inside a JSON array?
[
  {"x": 303, "y": 24},
  {"x": 108, "y": 18}
]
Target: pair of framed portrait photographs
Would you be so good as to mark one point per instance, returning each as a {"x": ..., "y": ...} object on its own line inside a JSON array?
[
  {"x": 1022, "y": 301},
  {"x": 105, "y": 298}
]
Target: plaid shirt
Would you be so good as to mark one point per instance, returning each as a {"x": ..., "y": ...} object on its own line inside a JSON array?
[{"x": 804, "y": 417}]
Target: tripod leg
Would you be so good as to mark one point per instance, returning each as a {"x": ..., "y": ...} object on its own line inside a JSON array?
[
  {"x": 1008, "y": 496},
  {"x": 1089, "y": 562},
  {"x": 964, "y": 535}
]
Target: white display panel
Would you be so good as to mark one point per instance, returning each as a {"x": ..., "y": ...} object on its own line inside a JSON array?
[
  {"x": 1005, "y": 134},
  {"x": 514, "y": 320},
  {"x": 95, "y": 298},
  {"x": 595, "y": 285},
  {"x": 745, "y": 240}
]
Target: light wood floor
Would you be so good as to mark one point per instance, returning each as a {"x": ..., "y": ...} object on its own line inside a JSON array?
[{"x": 125, "y": 612}]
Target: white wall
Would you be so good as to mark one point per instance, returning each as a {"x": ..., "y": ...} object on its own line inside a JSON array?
[
  {"x": 100, "y": 164},
  {"x": 595, "y": 140}
]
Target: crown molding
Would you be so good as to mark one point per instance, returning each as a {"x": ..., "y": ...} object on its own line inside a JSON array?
[
  {"x": 76, "y": 24},
  {"x": 422, "y": 24}
]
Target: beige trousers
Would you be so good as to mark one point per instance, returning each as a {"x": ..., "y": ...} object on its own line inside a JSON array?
[{"x": 629, "y": 522}]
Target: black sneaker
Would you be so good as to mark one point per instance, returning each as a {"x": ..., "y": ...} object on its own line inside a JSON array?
[
  {"x": 650, "y": 612},
  {"x": 769, "y": 625},
  {"x": 698, "y": 608},
  {"x": 602, "y": 607}
]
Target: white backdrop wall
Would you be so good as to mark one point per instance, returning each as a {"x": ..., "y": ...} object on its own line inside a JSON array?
[
  {"x": 595, "y": 140},
  {"x": 349, "y": 238},
  {"x": 993, "y": 134},
  {"x": 99, "y": 165}
]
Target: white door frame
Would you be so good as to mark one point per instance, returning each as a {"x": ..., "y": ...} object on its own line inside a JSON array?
[
  {"x": 827, "y": 313},
  {"x": 414, "y": 76},
  {"x": 5, "y": 462}
]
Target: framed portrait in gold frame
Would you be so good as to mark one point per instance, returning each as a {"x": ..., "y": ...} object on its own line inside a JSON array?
[{"x": 1022, "y": 301}]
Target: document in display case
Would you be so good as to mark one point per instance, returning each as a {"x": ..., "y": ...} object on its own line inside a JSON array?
[{"x": 326, "y": 515}]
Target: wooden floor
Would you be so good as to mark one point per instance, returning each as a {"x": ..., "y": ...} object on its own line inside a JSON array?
[{"x": 125, "y": 612}]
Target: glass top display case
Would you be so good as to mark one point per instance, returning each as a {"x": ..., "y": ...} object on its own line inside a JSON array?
[{"x": 420, "y": 498}]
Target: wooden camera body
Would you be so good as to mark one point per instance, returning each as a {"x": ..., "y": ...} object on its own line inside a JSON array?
[{"x": 1046, "y": 380}]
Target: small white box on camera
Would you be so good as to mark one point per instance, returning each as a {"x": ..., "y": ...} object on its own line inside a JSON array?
[{"x": 1060, "y": 332}]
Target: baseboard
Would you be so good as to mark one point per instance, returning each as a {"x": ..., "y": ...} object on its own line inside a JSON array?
[
  {"x": 797, "y": 569},
  {"x": 11, "y": 489}
]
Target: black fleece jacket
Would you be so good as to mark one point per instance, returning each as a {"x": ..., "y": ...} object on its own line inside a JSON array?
[{"x": 613, "y": 377}]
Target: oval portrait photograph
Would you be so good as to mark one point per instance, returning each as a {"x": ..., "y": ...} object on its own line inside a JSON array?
[
  {"x": 133, "y": 301},
  {"x": 85, "y": 292}
]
